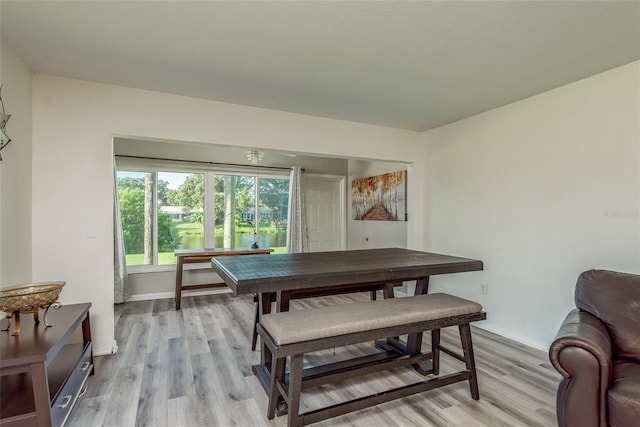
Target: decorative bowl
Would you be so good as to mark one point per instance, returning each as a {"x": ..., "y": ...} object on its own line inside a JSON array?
[{"x": 29, "y": 297}]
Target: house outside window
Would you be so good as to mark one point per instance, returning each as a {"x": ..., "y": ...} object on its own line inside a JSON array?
[{"x": 164, "y": 209}]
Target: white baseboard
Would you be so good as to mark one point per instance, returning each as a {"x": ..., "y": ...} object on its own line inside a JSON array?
[
  {"x": 105, "y": 351},
  {"x": 502, "y": 332},
  {"x": 538, "y": 345},
  {"x": 163, "y": 295},
  {"x": 102, "y": 351}
]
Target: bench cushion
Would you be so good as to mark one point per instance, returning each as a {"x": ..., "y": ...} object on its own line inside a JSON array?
[{"x": 341, "y": 319}]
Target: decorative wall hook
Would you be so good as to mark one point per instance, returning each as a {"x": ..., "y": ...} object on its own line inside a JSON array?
[{"x": 4, "y": 118}]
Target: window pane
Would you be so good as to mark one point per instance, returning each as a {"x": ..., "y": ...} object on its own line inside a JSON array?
[
  {"x": 180, "y": 213},
  {"x": 155, "y": 225},
  {"x": 274, "y": 208},
  {"x": 135, "y": 192},
  {"x": 234, "y": 211}
]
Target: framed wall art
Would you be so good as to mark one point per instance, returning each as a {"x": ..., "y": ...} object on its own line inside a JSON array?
[{"x": 380, "y": 198}]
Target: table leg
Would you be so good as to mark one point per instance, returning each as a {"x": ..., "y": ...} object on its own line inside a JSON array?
[
  {"x": 266, "y": 298},
  {"x": 86, "y": 337},
  {"x": 263, "y": 370},
  {"x": 422, "y": 286},
  {"x": 179, "y": 282},
  {"x": 414, "y": 341},
  {"x": 435, "y": 349},
  {"x": 282, "y": 301},
  {"x": 387, "y": 291},
  {"x": 41, "y": 393}
]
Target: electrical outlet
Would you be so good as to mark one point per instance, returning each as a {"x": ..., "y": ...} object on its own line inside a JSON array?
[{"x": 484, "y": 288}]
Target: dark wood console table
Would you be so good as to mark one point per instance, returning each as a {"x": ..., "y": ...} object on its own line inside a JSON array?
[
  {"x": 192, "y": 256},
  {"x": 43, "y": 370}
]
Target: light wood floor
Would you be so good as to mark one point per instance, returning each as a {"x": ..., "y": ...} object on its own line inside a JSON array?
[{"x": 193, "y": 368}]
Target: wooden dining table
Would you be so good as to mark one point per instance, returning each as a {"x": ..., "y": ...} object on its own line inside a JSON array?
[{"x": 283, "y": 277}]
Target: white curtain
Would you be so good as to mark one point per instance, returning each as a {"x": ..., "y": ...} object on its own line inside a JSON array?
[
  {"x": 121, "y": 289},
  {"x": 297, "y": 228}
]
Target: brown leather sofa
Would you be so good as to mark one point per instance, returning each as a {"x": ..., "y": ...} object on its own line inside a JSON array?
[{"x": 597, "y": 351}]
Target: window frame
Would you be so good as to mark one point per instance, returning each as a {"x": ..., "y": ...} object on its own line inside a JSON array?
[{"x": 210, "y": 171}]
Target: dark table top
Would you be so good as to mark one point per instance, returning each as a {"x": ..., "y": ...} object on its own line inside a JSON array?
[
  {"x": 255, "y": 273},
  {"x": 37, "y": 343}
]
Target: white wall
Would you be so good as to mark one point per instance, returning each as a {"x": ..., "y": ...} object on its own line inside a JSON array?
[
  {"x": 15, "y": 172},
  {"x": 73, "y": 125},
  {"x": 540, "y": 190}
]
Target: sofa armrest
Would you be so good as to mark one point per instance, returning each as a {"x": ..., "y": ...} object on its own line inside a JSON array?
[{"x": 582, "y": 353}]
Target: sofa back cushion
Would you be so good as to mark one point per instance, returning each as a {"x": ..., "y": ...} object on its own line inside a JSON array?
[{"x": 614, "y": 298}]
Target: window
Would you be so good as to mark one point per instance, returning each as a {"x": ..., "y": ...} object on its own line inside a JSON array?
[{"x": 164, "y": 209}]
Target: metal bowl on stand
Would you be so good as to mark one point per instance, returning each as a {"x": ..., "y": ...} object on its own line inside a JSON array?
[{"x": 29, "y": 298}]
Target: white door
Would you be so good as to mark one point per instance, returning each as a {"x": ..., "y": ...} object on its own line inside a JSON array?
[{"x": 324, "y": 197}]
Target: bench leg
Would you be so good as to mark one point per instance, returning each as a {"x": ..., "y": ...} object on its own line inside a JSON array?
[
  {"x": 277, "y": 375},
  {"x": 467, "y": 346},
  {"x": 295, "y": 389}
]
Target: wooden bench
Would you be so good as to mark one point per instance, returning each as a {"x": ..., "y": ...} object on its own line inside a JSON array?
[{"x": 296, "y": 333}]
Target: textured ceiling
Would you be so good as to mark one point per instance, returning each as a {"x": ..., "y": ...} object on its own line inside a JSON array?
[{"x": 411, "y": 65}]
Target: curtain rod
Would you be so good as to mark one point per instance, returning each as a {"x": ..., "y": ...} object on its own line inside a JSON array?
[{"x": 203, "y": 162}]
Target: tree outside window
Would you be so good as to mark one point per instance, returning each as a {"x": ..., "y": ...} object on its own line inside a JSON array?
[{"x": 168, "y": 211}]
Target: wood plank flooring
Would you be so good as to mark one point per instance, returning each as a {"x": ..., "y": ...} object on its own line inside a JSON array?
[{"x": 193, "y": 368}]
